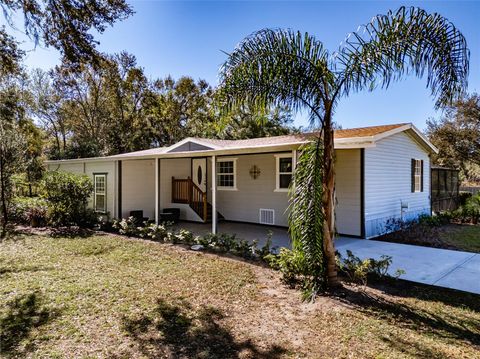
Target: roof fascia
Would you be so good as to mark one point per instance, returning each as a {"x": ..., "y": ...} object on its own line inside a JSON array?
[
  {"x": 81, "y": 160},
  {"x": 408, "y": 127},
  {"x": 424, "y": 139}
]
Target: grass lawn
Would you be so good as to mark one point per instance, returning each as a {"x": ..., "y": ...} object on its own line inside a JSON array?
[
  {"x": 463, "y": 237},
  {"x": 460, "y": 237},
  {"x": 108, "y": 296}
]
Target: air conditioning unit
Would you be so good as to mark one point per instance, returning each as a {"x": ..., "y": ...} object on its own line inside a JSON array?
[{"x": 267, "y": 216}]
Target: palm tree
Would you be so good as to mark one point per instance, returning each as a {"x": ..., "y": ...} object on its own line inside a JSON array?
[{"x": 287, "y": 68}]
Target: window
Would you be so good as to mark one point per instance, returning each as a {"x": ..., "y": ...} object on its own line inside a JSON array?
[
  {"x": 417, "y": 175},
  {"x": 100, "y": 193},
  {"x": 284, "y": 172},
  {"x": 226, "y": 171}
]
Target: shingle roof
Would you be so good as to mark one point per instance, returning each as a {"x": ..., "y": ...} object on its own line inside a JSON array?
[
  {"x": 300, "y": 137},
  {"x": 366, "y": 131},
  {"x": 345, "y": 137}
]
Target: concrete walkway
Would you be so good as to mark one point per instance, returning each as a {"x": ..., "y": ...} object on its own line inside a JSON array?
[{"x": 439, "y": 267}]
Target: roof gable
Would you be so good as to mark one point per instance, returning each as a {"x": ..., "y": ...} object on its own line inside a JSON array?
[{"x": 191, "y": 144}]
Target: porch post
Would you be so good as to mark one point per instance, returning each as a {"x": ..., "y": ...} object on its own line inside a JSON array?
[
  {"x": 157, "y": 209},
  {"x": 214, "y": 194},
  {"x": 294, "y": 159}
]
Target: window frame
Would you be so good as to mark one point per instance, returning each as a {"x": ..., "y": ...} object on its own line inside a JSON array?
[
  {"x": 278, "y": 173},
  {"x": 234, "y": 173},
  {"x": 418, "y": 176},
  {"x": 95, "y": 193}
]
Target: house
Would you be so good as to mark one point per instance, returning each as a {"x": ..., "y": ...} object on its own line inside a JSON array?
[{"x": 382, "y": 172}]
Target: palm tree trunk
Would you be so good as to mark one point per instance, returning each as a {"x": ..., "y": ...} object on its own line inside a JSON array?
[{"x": 328, "y": 200}]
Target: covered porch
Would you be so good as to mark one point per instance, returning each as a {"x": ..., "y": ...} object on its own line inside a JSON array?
[{"x": 208, "y": 189}]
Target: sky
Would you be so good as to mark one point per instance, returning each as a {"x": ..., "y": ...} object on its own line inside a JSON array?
[{"x": 190, "y": 38}]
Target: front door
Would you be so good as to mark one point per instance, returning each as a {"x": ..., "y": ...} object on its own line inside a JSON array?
[{"x": 199, "y": 173}]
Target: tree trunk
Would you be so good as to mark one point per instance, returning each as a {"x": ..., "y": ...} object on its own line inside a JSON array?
[
  {"x": 3, "y": 199},
  {"x": 328, "y": 200}
]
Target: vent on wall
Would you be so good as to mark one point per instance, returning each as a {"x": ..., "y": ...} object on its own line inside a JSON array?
[{"x": 267, "y": 216}]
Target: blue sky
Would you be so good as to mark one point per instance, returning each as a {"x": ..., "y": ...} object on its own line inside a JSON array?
[{"x": 187, "y": 38}]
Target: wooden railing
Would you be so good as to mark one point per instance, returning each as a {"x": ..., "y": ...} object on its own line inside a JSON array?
[{"x": 185, "y": 191}]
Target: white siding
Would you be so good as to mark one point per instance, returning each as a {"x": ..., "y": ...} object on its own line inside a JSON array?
[
  {"x": 348, "y": 192},
  {"x": 388, "y": 182},
  {"x": 77, "y": 167},
  {"x": 252, "y": 194},
  {"x": 138, "y": 187}
]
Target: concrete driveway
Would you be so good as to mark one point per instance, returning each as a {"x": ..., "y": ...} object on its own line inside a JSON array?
[{"x": 439, "y": 267}]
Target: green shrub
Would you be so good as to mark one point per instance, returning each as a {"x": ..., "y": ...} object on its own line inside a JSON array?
[
  {"x": 127, "y": 226},
  {"x": 182, "y": 236},
  {"x": 67, "y": 195},
  {"x": 155, "y": 232},
  {"x": 291, "y": 264},
  {"x": 463, "y": 197},
  {"x": 222, "y": 242},
  {"x": 357, "y": 270},
  {"x": 434, "y": 221},
  {"x": 29, "y": 210},
  {"x": 471, "y": 209},
  {"x": 245, "y": 249}
]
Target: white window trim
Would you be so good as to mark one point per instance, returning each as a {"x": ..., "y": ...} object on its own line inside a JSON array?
[
  {"x": 419, "y": 176},
  {"x": 277, "y": 171},
  {"x": 224, "y": 188},
  {"x": 95, "y": 175}
]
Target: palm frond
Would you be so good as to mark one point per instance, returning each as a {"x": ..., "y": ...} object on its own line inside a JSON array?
[
  {"x": 409, "y": 40},
  {"x": 306, "y": 217},
  {"x": 277, "y": 67}
]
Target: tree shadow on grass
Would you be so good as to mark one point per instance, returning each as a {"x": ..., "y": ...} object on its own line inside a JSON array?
[
  {"x": 423, "y": 318},
  {"x": 12, "y": 269},
  {"x": 23, "y": 314},
  {"x": 174, "y": 331},
  {"x": 406, "y": 289},
  {"x": 71, "y": 232}
]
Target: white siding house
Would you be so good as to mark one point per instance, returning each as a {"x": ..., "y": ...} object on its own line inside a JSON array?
[
  {"x": 382, "y": 173},
  {"x": 388, "y": 182}
]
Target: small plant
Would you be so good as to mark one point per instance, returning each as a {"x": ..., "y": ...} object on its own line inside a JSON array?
[
  {"x": 246, "y": 249},
  {"x": 127, "y": 226},
  {"x": 471, "y": 210},
  {"x": 155, "y": 232},
  {"x": 291, "y": 264},
  {"x": 184, "y": 236},
  {"x": 37, "y": 215},
  {"x": 357, "y": 270},
  {"x": 267, "y": 247},
  {"x": 222, "y": 242}
]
